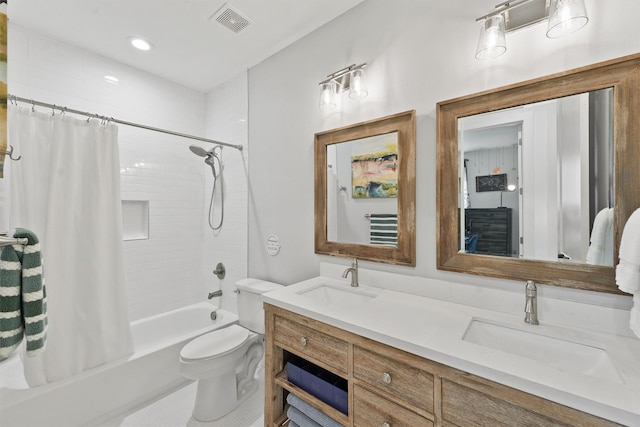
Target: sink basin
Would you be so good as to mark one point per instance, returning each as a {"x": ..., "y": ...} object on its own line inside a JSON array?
[
  {"x": 567, "y": 354},
  {"x": 335, "y": 296}
]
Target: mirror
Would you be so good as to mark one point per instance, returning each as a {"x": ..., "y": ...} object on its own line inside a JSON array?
[
  {"x": 555, "y": 232},
  {"x": 531, "y": 169},
  {"x": 365, "y": 190}
]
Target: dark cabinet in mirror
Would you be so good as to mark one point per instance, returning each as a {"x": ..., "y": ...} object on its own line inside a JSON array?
[
  {"x": 524, "y": 189},
  {"x": 365, "y": 190}
]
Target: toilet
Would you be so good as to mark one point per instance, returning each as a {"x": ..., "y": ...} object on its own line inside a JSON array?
[{"x": 224, "y": 361}]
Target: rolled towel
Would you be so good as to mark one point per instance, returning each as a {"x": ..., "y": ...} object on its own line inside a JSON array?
[
  {"x": 318, "y": 416},
  {"x": 301, "y": 419}
]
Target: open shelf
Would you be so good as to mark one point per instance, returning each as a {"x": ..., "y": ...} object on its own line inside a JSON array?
[{"x": 281, "y": 380}]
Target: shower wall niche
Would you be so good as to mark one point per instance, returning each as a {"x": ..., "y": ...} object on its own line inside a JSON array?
[{"x": 135, "y": 219}]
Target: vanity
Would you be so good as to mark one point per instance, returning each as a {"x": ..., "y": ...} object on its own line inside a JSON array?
[
  {"x": 416, "y": 361},
  {"x": 432, "y": 355}
]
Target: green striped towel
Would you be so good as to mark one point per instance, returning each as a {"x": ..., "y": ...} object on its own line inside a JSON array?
[
  {"x": 23, "y": 300},
  {"x": 383, "y": 229}
]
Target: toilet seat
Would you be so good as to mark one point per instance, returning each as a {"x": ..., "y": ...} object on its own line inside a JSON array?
[{"x": 215, "y": 344}]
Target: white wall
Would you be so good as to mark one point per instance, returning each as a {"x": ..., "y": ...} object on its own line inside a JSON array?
[
  {"x": 226, "y": 121},
  {"x": 167, "y": 270},
  {"x": 418, "y": 53}
]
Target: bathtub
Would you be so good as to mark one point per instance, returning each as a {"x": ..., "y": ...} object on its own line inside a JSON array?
[{"x": 105, "y": 392}]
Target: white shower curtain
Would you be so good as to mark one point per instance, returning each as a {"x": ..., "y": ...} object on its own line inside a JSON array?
[{"x": 66, "y": 188}]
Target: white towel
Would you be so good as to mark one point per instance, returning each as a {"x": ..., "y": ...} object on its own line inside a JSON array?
[
  {"x": 601, "y": 247},
  {"x": 628, "y": 270},
  {"x": 634, "y": 321}
]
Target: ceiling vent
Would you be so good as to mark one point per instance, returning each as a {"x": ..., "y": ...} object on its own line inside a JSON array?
[{"x": 231, "y": 18}]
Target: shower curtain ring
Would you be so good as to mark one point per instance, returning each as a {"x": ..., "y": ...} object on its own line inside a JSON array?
[{"x": 53, "y": 110}]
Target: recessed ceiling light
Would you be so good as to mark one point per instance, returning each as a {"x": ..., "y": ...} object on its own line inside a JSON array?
[
  {"x": 139, "y": 43},
  {"x": 112, "y": 79}
]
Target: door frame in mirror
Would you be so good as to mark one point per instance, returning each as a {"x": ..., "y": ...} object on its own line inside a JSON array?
[
  {"x": 405, "y": 251},
  {"x": 622, "y": 74}
]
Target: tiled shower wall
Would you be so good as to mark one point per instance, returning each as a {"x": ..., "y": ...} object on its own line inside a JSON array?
[{"x": 173, "y": 267}]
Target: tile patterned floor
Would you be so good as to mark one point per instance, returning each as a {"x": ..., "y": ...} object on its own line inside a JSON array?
[{"x": 174, "y": 410}]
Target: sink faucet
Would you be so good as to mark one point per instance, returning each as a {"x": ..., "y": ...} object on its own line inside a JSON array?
[
  {"x": 531, "y": 305},
  {"x": 354, "y": 273}
]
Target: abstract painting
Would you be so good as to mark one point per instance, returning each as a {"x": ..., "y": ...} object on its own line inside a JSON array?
[{"x": 375, "y": 174}]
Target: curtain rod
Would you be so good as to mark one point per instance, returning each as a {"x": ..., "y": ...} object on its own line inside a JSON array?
[{"x": 122, "y": 122}]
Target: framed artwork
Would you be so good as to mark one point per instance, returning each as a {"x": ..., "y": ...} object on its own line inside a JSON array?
[
  {"x": 375, "y": 174},
  {"x": 491, "y": 183}
]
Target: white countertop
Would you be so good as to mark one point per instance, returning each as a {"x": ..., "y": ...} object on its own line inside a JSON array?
[{"x": 434, "y": 329}]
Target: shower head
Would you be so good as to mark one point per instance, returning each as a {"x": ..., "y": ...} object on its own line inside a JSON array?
[{"x": 199, "y": 151}]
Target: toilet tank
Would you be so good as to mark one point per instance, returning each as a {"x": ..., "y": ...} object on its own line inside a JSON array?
[{"x": 250, "y": 311}]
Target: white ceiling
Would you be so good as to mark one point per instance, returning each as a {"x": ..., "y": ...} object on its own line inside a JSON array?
[{"x": 188, "y": 48}]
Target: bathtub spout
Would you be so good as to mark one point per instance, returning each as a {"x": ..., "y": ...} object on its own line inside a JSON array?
[{"x": 215, "y": 294}]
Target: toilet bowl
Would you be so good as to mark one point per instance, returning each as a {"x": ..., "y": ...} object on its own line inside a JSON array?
[{"x": 224, "y": 361}]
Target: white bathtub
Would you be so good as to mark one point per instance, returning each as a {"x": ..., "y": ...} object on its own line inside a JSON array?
[{"x": 97, "y": 395}]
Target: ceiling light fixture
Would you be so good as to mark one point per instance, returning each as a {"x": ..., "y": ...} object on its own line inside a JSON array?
[
  {"x": 140, "y": 44},
  {"x": 564, "y": 18},
  {"x": 349, "y": 79}
]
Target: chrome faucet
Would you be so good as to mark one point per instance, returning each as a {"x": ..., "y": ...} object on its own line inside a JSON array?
[
  {"x": 531, "y": 305},
  {"x": 215, "y": 294},
  {"x": 354, "y": 272}
]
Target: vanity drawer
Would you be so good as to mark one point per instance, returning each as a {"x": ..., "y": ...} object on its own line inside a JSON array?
[
  {"x": 307, "y": 342},
  {"x": 464, "y": 406},
  {"x": 371, "y": 410},
  {"x": 395, "y": 379}
]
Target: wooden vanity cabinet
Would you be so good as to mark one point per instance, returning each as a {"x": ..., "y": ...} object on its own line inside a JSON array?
[{"x": 388, "y": 387}]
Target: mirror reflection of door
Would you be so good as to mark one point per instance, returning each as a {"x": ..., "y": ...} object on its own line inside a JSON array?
[
  {"x": 537, "y": 180},
  {"x": 362, "y": 186}
]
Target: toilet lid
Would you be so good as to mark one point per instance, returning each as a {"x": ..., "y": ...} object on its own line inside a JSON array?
[{"x": 216, "y": 343}]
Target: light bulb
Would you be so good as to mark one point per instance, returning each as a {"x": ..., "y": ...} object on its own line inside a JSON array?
[{"x": 358, "y": 87}]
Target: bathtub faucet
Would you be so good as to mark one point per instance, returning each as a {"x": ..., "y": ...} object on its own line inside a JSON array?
[{"x": 215, "y": 294}]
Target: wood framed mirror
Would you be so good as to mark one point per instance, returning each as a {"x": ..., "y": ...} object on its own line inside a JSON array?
[
  {"x": 365, "y": 190},
  {"x": 619, "y": 79}
]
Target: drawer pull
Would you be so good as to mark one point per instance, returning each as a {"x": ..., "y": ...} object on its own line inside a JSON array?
[
  {"x": 304, "y": 341},
  {"x": 386, "y": 378},
  {"x": 385, "y": 424}
]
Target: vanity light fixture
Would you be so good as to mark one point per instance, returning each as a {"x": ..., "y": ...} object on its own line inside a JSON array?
[
  {"x": 349, "y": 79},
  {"x": 563, "y": 16}
]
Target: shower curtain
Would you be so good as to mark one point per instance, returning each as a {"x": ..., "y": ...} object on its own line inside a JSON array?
[{"x": 66, "y": 188}]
